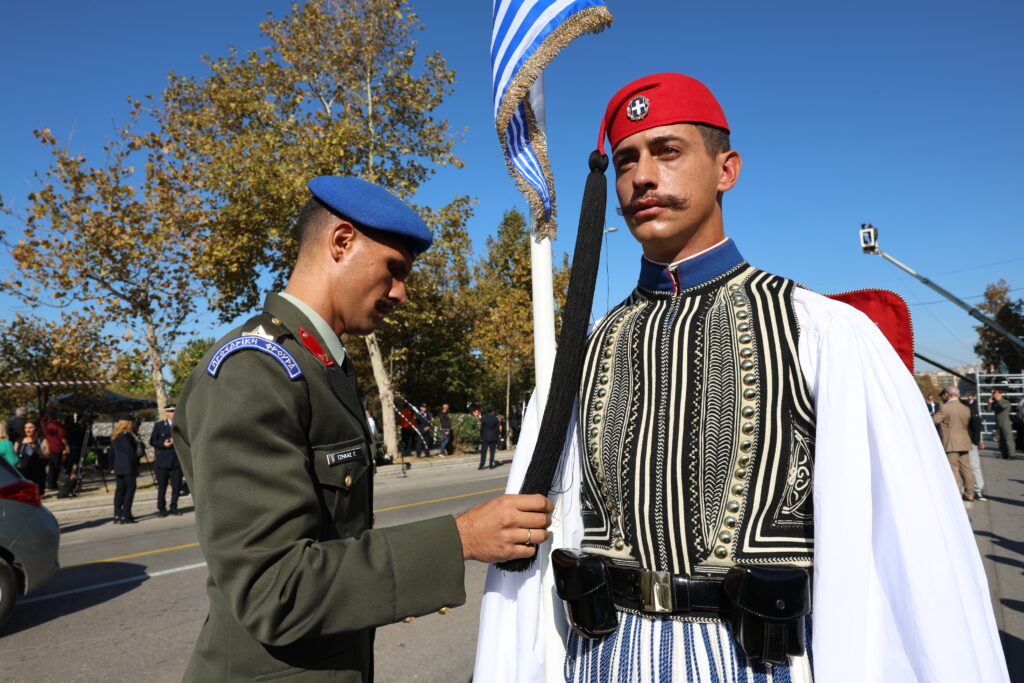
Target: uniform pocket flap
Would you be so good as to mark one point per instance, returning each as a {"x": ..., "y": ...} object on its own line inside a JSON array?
[{"x": 342, "y": 464}]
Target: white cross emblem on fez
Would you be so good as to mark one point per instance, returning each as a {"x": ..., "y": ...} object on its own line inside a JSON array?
[{"x": 638, "y": 108}]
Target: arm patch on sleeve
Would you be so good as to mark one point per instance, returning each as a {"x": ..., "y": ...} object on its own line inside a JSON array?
[{"x": 271, "y": 348}]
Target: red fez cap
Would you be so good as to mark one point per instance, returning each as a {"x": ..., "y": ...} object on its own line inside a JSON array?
[{"x": 658, "y": 100}]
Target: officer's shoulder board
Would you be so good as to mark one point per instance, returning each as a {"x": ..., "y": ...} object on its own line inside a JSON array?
[{"x": 258, "y": 334}]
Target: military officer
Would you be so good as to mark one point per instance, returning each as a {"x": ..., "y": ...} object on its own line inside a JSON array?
[
  {"x": 166, "y": 465},
  {"x": 274, "y": 443}
]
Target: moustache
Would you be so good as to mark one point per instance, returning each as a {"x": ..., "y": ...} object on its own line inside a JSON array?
[{"x": 669, "y": 201}]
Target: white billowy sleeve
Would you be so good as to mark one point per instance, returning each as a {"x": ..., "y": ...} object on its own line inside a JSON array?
[
  {"x": 900, "y": 593},
  {"x": 522, "y": 622}
]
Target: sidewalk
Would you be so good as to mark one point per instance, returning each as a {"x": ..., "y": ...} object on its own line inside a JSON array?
[
  {"x": 95, "y": 500},
  {"x": 998, "y": 525}
]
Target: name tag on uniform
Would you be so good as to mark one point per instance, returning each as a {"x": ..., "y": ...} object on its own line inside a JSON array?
[{"x": 344, "y": 456}]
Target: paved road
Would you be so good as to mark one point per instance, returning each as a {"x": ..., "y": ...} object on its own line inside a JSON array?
[
  {"x": 130, "y": 600},
  {"x": 136, "y": 615}
]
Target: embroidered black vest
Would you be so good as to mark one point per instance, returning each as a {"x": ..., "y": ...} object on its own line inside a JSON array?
[{"x": 698, "y": 428}]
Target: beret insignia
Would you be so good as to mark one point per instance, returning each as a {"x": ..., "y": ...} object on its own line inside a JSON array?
[{"x": 271, "y": 348}]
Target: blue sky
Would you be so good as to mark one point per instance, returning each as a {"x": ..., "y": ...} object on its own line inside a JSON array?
[{"x": 903, "y": 114}]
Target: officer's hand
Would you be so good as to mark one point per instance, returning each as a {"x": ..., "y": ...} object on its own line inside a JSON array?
[{"x": 504, "y": 528}]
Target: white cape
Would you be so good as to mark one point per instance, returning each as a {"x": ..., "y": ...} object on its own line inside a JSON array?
[{"x": 900, "y": 593}]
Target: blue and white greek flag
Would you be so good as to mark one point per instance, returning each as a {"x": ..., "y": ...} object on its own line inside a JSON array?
[{"x": 526, "y": 36}]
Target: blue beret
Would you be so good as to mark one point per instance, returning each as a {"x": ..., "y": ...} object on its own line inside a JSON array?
[{"x": 374, "y": 207}]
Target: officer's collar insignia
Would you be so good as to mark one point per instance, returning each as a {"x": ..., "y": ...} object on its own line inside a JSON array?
[
  {"x": 310, "y": 342},
  {"x": 638, "y": 108},
  {"x": 271, "y": 348},
  {"x": 258, "y": 331}
]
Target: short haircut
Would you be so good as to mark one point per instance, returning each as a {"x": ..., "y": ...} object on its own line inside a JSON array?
[
  {"x": 311, "y": 218},
  {"x": 952, "y": 391},
  {"x": 716, "y": 140}
]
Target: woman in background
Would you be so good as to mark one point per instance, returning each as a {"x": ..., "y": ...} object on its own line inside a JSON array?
[
  {"x": 31, "y": 452},
  {"x": 124, "y": 461}
]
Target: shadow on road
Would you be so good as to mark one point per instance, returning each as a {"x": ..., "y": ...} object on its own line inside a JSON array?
[
  {"x": 94, "y": 584},
  {"x": 92, "y": 523},
  {"x": 1005, "y": 543},
  {"x": 1007, "y": 501},
  {"x": 1006, "y": 560}
]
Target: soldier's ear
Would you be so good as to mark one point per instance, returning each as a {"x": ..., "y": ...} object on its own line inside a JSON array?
[{"x": 342, "y": 236}]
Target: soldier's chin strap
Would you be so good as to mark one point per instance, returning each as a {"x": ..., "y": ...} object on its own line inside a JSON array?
[{"x": 565, "y": 378}]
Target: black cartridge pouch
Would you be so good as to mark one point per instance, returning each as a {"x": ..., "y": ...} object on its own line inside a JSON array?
[
  {"x": 581, "y": 581},
  {"x": 768, "y": 609}
]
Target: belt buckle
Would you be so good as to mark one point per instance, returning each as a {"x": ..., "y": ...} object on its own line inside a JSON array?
[{"x": 656, "y": 591}]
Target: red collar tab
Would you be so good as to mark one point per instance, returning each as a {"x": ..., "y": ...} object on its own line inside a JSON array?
[{"x": 310, "y": 342}]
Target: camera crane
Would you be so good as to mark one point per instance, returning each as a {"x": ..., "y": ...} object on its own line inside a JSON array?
[{"x": 869, "y": 243}]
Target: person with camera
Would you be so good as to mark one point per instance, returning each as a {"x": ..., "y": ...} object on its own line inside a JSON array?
[{"x": 124, "y": 463}]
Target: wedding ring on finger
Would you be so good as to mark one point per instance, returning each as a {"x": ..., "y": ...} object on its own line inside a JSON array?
[{"x": 529, "y": 537}]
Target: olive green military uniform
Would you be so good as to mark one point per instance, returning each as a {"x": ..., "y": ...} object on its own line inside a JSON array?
[{"x": 272, "y": 438}]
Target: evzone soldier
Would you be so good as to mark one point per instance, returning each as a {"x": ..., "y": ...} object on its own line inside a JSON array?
[{"x": 751, "y": 489}]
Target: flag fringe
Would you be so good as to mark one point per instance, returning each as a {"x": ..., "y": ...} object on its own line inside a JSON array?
[{"x": 589, "y": 20}]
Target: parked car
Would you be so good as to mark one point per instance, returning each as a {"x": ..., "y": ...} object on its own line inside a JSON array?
[{"x": 29, "y": 539}]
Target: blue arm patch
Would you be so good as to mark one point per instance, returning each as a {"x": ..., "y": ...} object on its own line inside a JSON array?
[{"x": 273, "y": 349}]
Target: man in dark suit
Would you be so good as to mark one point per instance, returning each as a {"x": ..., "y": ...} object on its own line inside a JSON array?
[
  {"x": 273, "y": 439},
  {"x": 490, "y": 432},
  {"x": 953, "y": 419},
  {"x": 166, "y": 464}
]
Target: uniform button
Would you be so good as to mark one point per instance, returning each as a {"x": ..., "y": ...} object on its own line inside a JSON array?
[
  {"x": 619, "y": 545},
  {"x": 725, "y": 537},
  {"x": 275, "y": 321},
  {"x": 746, "y": 445},
  {"x": 598, "y": 405},
  {"x": 738, "y": 489},
  {"x": 348, "y": 480},
  {"x": 743, "y": 327},
  {"x": 748, "y": 411},
  {"x": 444, "y": 610},
  {"x": 750, "y": 394},
  {"x": 408, "y": 620},
  {"x": 734, "y": 287},
  {"x": 596, "y": 419},
  {"x": 741, "y": 473},
  {"x": 745, "y": 459},
  {"x": 745, "y": 338},
  {"x": 746, "y": 353},
  {"x": 747, "y": 365},
  {"x": 595, "y": 461},
  {"x": 730, "y": 522},
  {"x": 721, "y": 551},
  {"x": 748, "y": 428},
  {"x": 601, "y": 392},
  {"x": 750, "y": 378},
  {"x": 733, "y": 506},
  {"x": 742, "y": 315}
]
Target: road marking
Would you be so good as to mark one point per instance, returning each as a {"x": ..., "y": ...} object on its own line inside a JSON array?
[
  {"x": 193, "y": 545},
  {"x": 438, "y": 500},
  {"x": 118, "y": 582}
]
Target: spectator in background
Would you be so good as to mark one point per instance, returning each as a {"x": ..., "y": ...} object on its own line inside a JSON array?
[
  {"x": 406, "y": 420},
  {"x": 6, "y": 446},
  {"x": 490, "y": 431},
  {"x": 953, "y": 418},
  {"x": 57, "y": 446},
  {"x": 77, "y": 433},
  {"x": 124, "y": 461},
  {"x": 932, "y": 405},
  {"x": 166, "y": 466},
  {"x": 31, "y": 452},
  {"x": 1001, "y": 407},
  {"x": 424, "y": 421},
  {"x": 371, "y": 423},
  {"x": 515, "y": 423},
  {"x": 446, "y": 430},
  {"x": 974, "y": 456},
  {"x": 16, "y": 425}
]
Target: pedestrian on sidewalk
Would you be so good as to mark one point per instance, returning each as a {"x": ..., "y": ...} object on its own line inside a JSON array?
[
  {"x": 490, "y": 431},
  {"x": 1001, "y": 407},
  {"x": 446, "y": 430},
  {"x": 166, "y": 466},
  {"x": 974, "y": 455},
  {"x": 953, "y": 418},
  {"x": 31, "y": 451},
  {"x": 424, "y": 440},
  {"x": 124, "y": 460},
  {"x": 6, "y": 447}
]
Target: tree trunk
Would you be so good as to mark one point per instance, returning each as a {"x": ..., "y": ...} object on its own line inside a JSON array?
[
  {"x": 387, "y": 401},
  {"x": 508, "y": 390},
  {"x": 156, "y": 367}
]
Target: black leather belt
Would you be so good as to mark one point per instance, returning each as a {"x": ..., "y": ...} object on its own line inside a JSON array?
[{"x": 667, "y": 594}]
